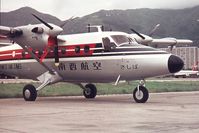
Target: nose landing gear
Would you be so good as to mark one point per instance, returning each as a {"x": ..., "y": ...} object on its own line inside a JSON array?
[{"x": 140, "y": 93}]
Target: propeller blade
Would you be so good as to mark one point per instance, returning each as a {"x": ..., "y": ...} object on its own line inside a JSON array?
[
  {"x": 4, "y": 30},
  {"x": 138, "y": 34},
  {"x": 56, "y": 56},
  {"x": 42, "y": 21},
  {"x": 56, "y": 51},
  {"x": 70, "y": 19},
  {"x": 154, "y": 29}
]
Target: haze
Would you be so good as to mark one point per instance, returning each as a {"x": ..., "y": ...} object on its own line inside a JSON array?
[{"x": 64, "y": 9}]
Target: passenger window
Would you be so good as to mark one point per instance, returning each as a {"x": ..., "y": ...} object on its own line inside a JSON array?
[
  {"x": 77, "y": 49},
  {"x": 86, "y": 49},
  {"x": 33, "y": 51},
  {"x": 40, "y": 52},
  {"x": 63, "y": 50},
  {"x": 23, "y": 54}
]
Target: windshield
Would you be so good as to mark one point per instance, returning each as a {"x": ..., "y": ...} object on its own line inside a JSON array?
[{"x": 122, "y": 40}]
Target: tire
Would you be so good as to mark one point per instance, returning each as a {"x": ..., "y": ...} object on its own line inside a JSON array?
[
  {"x": 90, "y": 91},
  {"x": 29, "y": 93},
  {"x": 143, "y": 96}
]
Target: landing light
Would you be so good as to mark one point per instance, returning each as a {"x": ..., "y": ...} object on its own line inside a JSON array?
[{"x": 57, "y": 64}]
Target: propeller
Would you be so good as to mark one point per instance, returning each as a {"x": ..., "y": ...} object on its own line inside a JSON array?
[
  {"x": 56, "y": 51},
  {"x": 137, "y": 33},
  {"x": 53, "y": 39},
  {"x": 42, "y": 21},
  {"x": 150, "y": 34}
]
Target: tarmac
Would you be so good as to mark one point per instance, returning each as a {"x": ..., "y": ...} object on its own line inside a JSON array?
[{"x": 164, "y": 112}]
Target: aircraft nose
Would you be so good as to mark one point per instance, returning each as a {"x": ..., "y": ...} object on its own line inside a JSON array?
[{"x": 175, "y": 64}]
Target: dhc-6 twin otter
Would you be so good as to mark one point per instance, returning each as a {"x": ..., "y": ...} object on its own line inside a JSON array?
[{"x": 41, "y": 53}]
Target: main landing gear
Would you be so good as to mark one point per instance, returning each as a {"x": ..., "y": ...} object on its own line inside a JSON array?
[
  {"x": 29, "y": 93},
  {"x": 90, "y": 91}
]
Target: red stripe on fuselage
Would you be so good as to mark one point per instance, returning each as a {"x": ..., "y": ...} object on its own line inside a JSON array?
[
  {"x": 3, "y": 38},
  {"x": 70, "y": 51}
]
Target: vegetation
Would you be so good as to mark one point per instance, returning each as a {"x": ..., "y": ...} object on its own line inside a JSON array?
[
  {"x": 179, "y": 23},
  {"x": 65, "y": 89}
]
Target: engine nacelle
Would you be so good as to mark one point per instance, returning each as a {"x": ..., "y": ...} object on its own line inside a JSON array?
[{"x": 37, "y": 36}]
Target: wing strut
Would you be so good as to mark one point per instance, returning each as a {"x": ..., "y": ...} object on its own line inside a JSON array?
[
  {"x": 37, "y": 59},
  {"x": 49, "y": 77}
]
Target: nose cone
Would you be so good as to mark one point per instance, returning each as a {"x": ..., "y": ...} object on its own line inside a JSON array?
[
  {"x": 55, "y": 31},
  {"x": 175, "y": 64}
]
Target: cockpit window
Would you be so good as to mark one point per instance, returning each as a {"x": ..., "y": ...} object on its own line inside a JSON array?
[{"x": 122, "y": 40}]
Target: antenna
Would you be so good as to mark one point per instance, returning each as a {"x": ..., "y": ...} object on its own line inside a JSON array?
[
  {"x": 100, "y": 28},
  {"x": 0, "y": 14},
  {"x": 89, "y": 28}
]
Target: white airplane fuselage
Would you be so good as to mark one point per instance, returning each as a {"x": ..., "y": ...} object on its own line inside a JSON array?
[{"x": 83, "y": 58}]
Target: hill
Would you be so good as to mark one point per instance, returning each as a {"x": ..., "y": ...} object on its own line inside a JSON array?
[
  {"x": 23, "y": 16},
  {"x": 179, "y": 23}
]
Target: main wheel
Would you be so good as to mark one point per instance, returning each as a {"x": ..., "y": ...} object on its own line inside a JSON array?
[
  {"x": 29, "y": 93},
  {"x": 90, "y": 91},
  {"x": 142, "y": 95}
]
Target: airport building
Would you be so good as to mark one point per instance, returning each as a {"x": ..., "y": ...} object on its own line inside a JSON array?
[{"x": 190, "y": 55}]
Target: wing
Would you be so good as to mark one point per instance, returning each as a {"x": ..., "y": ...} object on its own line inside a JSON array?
[
  {"x": 5, "y": 31},
  {"x": 171, "y": 41},
  {"x": 147, "y": 40},
  {"x": 4, "y": 41}
]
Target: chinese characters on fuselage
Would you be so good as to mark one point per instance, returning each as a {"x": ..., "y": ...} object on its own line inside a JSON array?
[{"x": 81, "y": 66}]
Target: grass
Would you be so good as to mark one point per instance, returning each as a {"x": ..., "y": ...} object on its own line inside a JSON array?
[{"x": 64, "y": 89}]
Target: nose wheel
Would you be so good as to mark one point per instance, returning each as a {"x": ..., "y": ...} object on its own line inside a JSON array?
[
  {"x": 90, "y": 91},
  {"x": 140, "y": 94},
  {"x": 29, "y": 93}
]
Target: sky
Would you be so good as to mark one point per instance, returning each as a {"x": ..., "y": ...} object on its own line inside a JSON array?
[{"x": 64, "y": 9}]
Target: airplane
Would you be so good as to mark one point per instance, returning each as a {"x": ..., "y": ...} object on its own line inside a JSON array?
[
  {"x": 188, "y": 73},
  {"x": 41, "y": 53}
]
